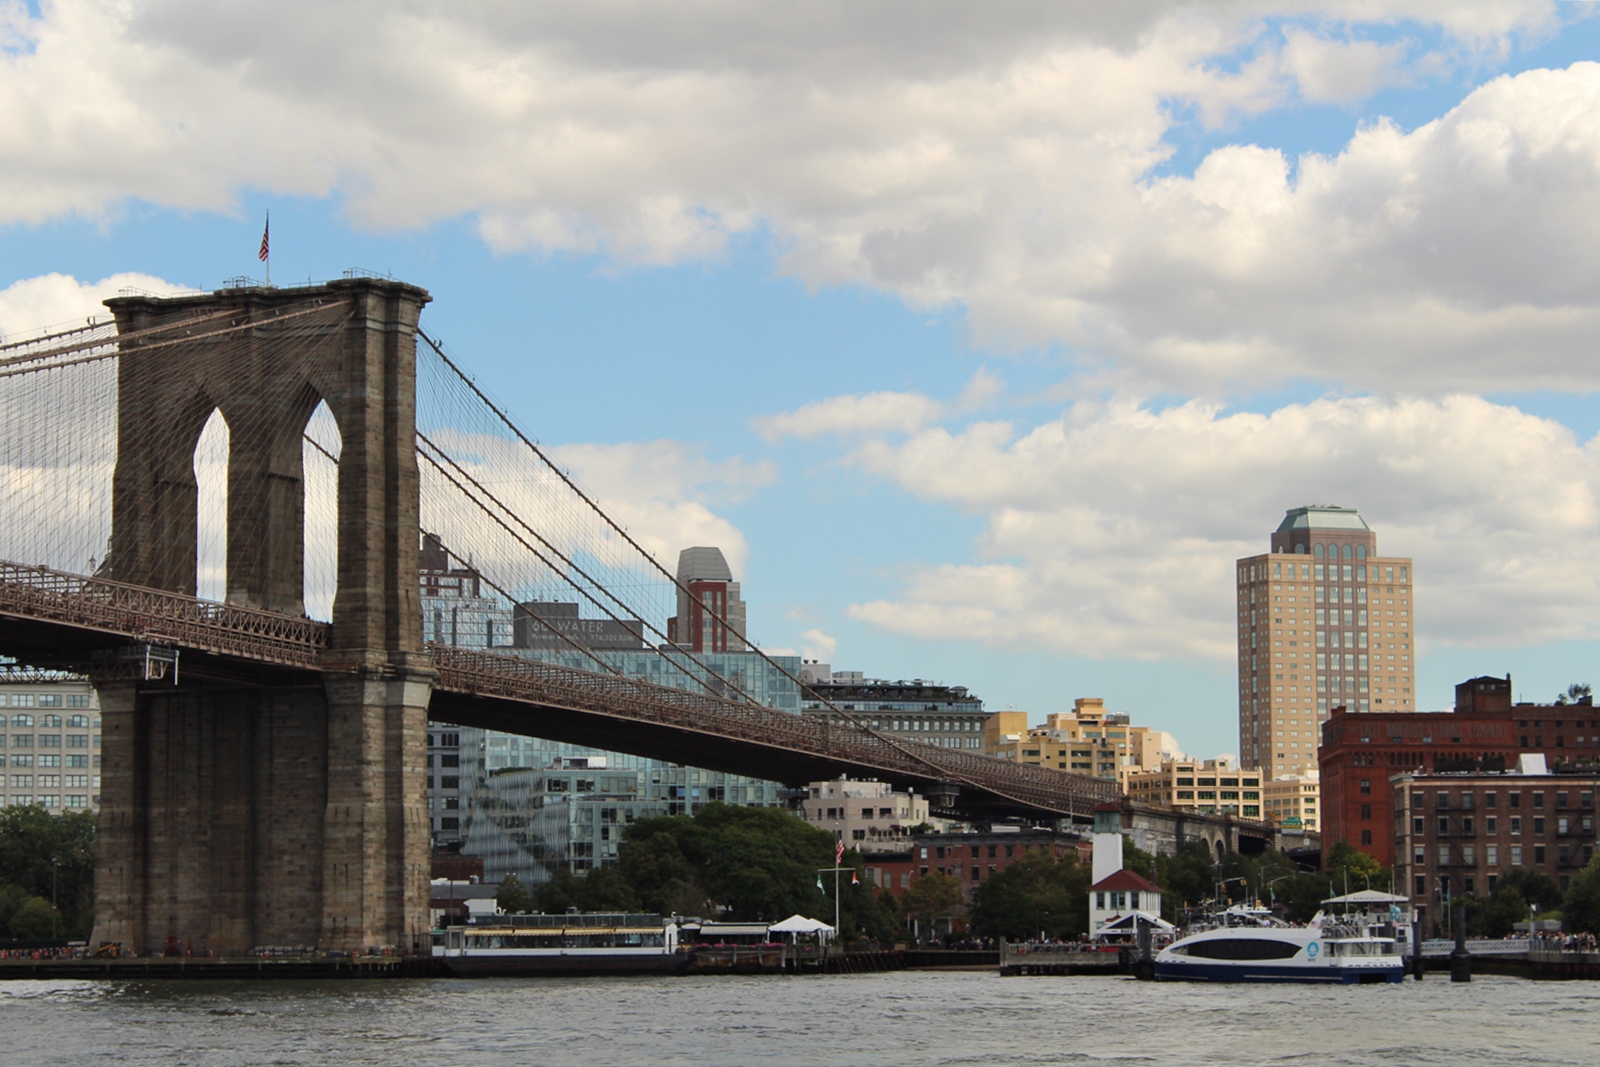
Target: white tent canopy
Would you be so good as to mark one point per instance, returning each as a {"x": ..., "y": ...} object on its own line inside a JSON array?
[
  {"x": 799, "y": 924},
  {"x": 1368, "y": 896}
]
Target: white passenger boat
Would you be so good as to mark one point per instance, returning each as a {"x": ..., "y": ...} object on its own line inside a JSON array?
[
  {"x": 1248, "y": 946},
  {"x": 586, "y": 943}
]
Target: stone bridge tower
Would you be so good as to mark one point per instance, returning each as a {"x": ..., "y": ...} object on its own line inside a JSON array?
[{"x": 236, "y": 816}]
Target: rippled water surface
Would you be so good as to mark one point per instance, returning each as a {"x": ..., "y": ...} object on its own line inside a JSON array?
[{"x": 903, "y": 1018}]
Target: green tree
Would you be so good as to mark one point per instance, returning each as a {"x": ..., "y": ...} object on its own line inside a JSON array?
[
  {"x": 658, "y": 872},
  {"x": 51, "y": 856},
  {"x": 1039, "y": 894},
  {"x": 1580, "y": 912},
  {"x": 1187, "y": 878},
  {"x": 600, "y": 889},
  {"x": 747, "y": 864},
  {"x": 872, "y": 914},
  {"x": 1536, "y": 888},
  {"x": 1575, "y": 692},
  {"x": 1302, "y": 894},
  {"x": 512, "y": 897},
  {"x": 1497, "y": 914},
  {"x": 933, "y": 897},
  {"x": 1137, "y": 860},
  {"x": 35, "y": 918},
  {"x": 1363, "y": 871}
]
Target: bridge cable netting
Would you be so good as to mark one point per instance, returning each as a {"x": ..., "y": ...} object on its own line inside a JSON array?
[
  {"x": 237, "y": 442},
  {"x": 577, "y": 553}
]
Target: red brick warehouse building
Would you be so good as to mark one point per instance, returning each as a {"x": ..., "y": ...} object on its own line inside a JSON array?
[{"x": 1361, "y": 751}]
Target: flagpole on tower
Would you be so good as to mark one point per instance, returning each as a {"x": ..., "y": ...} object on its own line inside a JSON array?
[{"x": 265, "y": 255}]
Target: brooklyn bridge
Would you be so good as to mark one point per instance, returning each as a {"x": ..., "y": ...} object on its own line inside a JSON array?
[{"x": 262, "y": 769}]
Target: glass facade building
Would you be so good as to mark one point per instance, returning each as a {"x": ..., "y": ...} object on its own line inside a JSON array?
[{"x": 527, "y": 806}]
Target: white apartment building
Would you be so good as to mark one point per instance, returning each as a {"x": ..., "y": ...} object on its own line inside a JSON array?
[{"x": 49, "y": 740}]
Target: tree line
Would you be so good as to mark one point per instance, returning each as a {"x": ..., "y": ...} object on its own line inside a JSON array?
[
  {"x": 726, "y": 862},
  {"x": 45, "y": 858},
  {"x": 748, "y": 864}
]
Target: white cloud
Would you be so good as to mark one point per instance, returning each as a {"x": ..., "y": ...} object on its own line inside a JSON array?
[
  {"x": 662, "y": 492},
  {"x": 1112, "y": 531},
  {"x": 940, "y": 152},
  {"x": 873, "y": 412},
  {"x": 817, "y": 644},
  {"x": 1340, "y": 72},
  {"x": 850, "y": 415},
  {"x": 60, "y": 301}
]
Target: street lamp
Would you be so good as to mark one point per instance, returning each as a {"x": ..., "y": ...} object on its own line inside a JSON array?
[
  {"x": 1272, "y": 894},
  {"x": 835, "y": 870}
]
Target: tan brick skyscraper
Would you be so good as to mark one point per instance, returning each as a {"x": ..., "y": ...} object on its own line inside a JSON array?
[{"x": 1324, "y": 622}]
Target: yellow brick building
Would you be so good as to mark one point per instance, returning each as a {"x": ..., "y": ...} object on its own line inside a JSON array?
[
  {"x": 1294, "y": 796},
  {"x": 1213, "y": 785},
  {"x": 1089, "y": 740}
]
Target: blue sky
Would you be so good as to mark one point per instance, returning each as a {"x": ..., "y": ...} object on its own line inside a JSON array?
[{"x": 706, "y": 247}]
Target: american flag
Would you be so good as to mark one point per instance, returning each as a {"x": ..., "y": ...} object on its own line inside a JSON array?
[
  {"x": 838, "y": 849},
  {"x": 262, "y": 255}
]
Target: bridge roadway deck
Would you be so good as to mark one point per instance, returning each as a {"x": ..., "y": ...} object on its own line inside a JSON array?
[{"x": 58, "y": 620}]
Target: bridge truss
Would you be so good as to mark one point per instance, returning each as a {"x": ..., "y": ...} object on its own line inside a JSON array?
[{"x": 507, "y": 513}]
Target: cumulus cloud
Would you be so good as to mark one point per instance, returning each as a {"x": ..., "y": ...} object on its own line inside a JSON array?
[
  {"x": 1112, "y": 530},
  {"x": 874, "y": 412},
  {"x": 878, "y": 413},
  {"x": 662, "y": 492},
  {"x": 935, "y": 151},
  {"x": 60, "y": 301},
  {"x": 1341, "y": 72},
  {"x": 818, "y": 644}
]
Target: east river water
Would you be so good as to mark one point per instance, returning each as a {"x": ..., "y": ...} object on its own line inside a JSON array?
[{"x": 891, "y": 1019}]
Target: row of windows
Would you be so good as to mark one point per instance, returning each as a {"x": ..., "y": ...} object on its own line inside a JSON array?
[
  {"x": 1468, "y": 800},
  {"x": 76, "y": 722},
  {"x": 844, "y": 813},
  {"x": 1469, "y": 884},
  {"x": 1467, "y": 855},
  {"x": 50, "y": 800},
  {"x": 49, "y": 740},
  {"x": 50, "y": 761},
  {"x": 1281, "y": 569},
  {"x": 1491, "y": 825},
  {"x": 52, "y": 781},
  {"x": 45, "y": 700}
]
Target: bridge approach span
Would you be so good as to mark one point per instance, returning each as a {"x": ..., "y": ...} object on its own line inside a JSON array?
[{"x": 93, "y": 625}]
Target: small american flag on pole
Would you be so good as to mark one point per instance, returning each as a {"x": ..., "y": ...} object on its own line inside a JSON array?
[
  {"x": 838, "y": 848},
  {"x": 265, "y": 231}
]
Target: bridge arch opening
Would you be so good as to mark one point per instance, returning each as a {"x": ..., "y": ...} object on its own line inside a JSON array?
[
  {"x": 211, "y": 508},
  {"x": 320, "y": 448}
]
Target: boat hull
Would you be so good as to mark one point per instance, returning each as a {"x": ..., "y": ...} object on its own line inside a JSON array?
[
  {"x": 1225, "y": 971},
  {"x": 521, "y": 965}
]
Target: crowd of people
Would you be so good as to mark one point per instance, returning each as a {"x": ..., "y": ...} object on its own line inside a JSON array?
[{"x": 1556, "y": 941}]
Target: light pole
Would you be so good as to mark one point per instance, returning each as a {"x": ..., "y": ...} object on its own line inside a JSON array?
[
  {"x": 55, "y": 910},
  {"x": 1272, "y": 894},
  {"x": 824, "y": 870}
]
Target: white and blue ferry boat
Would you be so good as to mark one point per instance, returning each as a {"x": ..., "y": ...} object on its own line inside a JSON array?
[{"x": 1248, "y": 946}]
